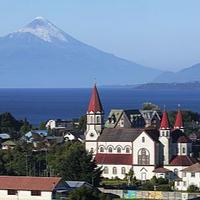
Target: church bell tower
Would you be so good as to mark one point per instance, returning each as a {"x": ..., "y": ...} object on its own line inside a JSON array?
[{"x": 95, "y": 121}]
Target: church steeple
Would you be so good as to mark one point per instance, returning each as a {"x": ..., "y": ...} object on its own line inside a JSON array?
[
  {"x": 164, "y": 122},
  {"x": 95, "y": 121},
  {"x": 95, "y": 102},
  {"x": 179, "y": 121}
]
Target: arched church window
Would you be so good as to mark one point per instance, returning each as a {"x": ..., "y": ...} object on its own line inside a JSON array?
[
  {"x": 114, "y": 170},
  {"x": 143, "y": 157},
  {"x": 123, "y": 170},
  {"x": 183, "y": 149},
  {"x": 101, "y": 149},
  {"x": 106, "y": 171},
  {"x": 91, "y": 134},
  {"x": 119, "y": 150},
  {"x": 143, "y": 139},
  {"x": 91, "y": 119},
  {"x": 98, "y": 119},
  {"x": 110, "y": 149},
  {"x": 127, "y": 150},
  {"x": 176, "y": 171}
]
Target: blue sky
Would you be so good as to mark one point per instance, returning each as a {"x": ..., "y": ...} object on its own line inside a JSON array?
[{"x": 155, "y": 33}]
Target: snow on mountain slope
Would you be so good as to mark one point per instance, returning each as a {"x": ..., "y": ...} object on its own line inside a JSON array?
[{"x": 43, "y": 29}]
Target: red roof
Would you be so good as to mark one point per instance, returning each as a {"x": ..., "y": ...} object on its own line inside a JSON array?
[
  {"x": 95, "y": 103},
  {"x": 114, "y": 159},
  {"x": 161, "y": 170},
  {"x": 183, "y": 139},
  {"x": 179, "y": 122},
  {"x": 28, "y": 183},
  {"x": 164, "y": 122},
  {"x": 183, "y": 161}
]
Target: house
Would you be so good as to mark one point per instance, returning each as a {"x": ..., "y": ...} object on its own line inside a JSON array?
[
  {"x": 59, "y": 124},
  {"x": 31, "y": 188},
  {"x": 35, "y": 135},
  {"x": 191, "y": 176},
  {"x": 77, "y": 184},
  {"x": 9, "y": 144},
  {"x": 119, "y": 146}
]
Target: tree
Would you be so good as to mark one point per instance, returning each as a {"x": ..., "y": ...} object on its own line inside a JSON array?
[
  {"x": 42, "y": 126},
  {"x": 73, "y": 162},
  {"x": 193, "y": 188},
  {"x": 84, "y": 193},
  {"x": 82, "y": 123},
  {"x": 150, "y": 106}
]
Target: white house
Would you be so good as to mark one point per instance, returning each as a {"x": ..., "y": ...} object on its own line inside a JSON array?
[
  {"x": 30, "y": 188},
  {"x": 119, "y": 146},
  {"x": 191, "y": 176}
]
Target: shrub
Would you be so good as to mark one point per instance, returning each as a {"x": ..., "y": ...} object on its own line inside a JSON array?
[{"x": 193, "y": 188}]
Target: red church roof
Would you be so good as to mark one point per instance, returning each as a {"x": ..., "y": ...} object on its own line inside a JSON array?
[
  {"x": 28, "y": 183},
  {"x": 164, "y": 122},
  {"x": 179, "y": 122},
  {"x": 95, "y": 103},
  {"x": 182, "y": 161},
  {"x": 114, "y": 159}
]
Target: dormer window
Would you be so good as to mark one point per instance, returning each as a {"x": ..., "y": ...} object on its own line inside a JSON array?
[{"x": 143, "y": 139}]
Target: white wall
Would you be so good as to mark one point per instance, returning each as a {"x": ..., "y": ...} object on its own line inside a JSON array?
[
  {"x": 25, "y": 195},
  {"x": 119, "y": 174},
  {"x": 143, "y": 172}
]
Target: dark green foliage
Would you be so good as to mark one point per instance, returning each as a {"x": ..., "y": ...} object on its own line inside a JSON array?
[
  {"x": 73, "y": 162},
  {"x": 42, "y": 126},
  {"x": 82, "y": 123},
  {"x": 165, "y": 187},
  {"x": 84, "y": 193},
  {"x": 147, "y": 186},
  {"x": 193, "y": 188},
  {"x": 150, "y": 106}
]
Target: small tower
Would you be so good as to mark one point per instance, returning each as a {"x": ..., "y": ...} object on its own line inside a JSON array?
[
  {"x": 179, "y": 121},
  {"x": 164, "y": 138},
  {"x": 95, "y": 121}
]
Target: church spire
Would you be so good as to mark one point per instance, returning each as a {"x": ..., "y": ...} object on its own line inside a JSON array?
[
  {"x": 164, "y": 122},
  {"x": 95, "y": 102},
  {"x": 179, "y": 121}
]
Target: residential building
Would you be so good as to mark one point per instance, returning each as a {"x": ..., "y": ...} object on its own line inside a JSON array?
[{"x": 31, "y": 188}]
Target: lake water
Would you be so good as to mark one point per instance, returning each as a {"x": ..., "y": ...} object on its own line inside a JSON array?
[{"x": 42, "y": 104}]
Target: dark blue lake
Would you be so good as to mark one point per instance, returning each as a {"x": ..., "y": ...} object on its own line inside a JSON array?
[{"x": 42, "y": 104}]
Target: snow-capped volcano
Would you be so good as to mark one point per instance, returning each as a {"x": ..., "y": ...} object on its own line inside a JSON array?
[
  {"x": 43, "y": 29},
  {"x": 41, "y": 55}
]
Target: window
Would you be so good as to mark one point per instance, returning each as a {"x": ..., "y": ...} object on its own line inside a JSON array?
[
  {"x": 91, "y": 119},
  {"x": 192, "y": 174},
  {"x": 184, "y": 183},
  {"x": 184, "y": 174},
  {"x": 35, "y": 193},
  {"x": 110, "y": 149},
  {"x": 114, "y": 170},
  {"x": 92, "y": 150},
  {"x": 176, "y": 171},
  {"x": 91, "y": 134},
  {"x": 101, "y": 149},
  {"x": 119, "y": 150},
  {"x": 178, "y": 183},
  {"x": 12, "y": 192},
  {"x": 143, "y": 139},
  {"x": 123, "y": 170},
  {"x": 98, "y": 119},
  {"x": 127, "y": 150},
  {"x": 183, "y": 149},
  {"x": 143, "y": 157},
  {"x": 105, "y": 170}
]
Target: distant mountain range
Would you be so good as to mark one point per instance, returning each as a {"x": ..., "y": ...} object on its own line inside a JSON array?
[
  {"x": 42, "y": 55},
  {"x": 190, "y": 74}
]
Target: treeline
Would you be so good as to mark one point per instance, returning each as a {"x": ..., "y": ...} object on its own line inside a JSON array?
[{"x": 69, "y": 160}]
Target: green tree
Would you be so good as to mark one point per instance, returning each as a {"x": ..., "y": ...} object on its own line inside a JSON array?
[
  {"x": 42, "y": 126},
  {"x": 73, "y": 162},
  {"x": 82, "y": 123},
  {"x": 193, "y": 188}
]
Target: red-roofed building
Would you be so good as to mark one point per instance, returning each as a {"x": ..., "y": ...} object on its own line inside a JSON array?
[
  {"x": 29, "y": 188},
  {"x": 179, "y": 121},
  {"x": 164, "y": 121}
]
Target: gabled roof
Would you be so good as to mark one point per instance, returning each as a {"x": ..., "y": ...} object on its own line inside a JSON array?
[
  {"x": 193, "y": 168},
  {"x": 28, "y": 183},
  {"x": 164, "y": 122},
  {"x": 179, "y": 122},
  {"x": 183, "y": 139},
  {"x": 114, "y": 159},
  {"x": 161, "y": 170},
  {"x": 179, "y": 137},
  {"x": 95, "y": 103},
  {"x": 182, "y": 161},
  {"x": 119, "y": 134}
]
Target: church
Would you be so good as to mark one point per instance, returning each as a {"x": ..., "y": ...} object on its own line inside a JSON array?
[{"x": 122, "y": 143}]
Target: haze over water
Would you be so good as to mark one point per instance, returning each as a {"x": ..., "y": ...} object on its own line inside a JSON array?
[{"x": 42, "y": 104}]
